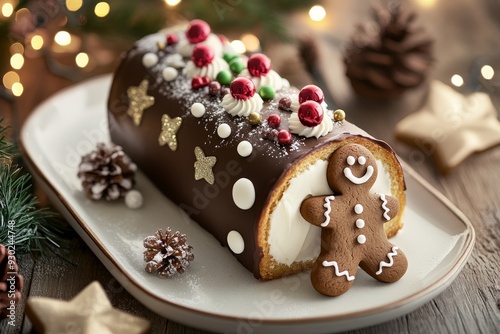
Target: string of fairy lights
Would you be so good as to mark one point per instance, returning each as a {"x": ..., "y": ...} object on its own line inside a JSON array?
[{"x": 63, "y": 41}]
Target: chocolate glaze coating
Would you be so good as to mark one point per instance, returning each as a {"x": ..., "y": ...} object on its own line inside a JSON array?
[{"x": 211, "y": 206}]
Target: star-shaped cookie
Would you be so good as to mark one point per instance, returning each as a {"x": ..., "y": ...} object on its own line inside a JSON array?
[
  {"x": 169, "y": 128},
  {"x": 138, "y": 101},
  {"x": 88, "y": 312},
  {"x": 451, "y": 126},
  {"x": 203, "y": 166}
]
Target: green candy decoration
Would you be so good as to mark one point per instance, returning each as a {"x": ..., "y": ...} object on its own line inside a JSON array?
[
  {"x": 228, "y": 57},
  {"x": 266, "y": 92},
  {"x": 224, "y": 77},
  {"x": 236, "y": 65}
]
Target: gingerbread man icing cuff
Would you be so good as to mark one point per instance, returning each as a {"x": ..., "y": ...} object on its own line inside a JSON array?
[{"x": 352, "y": 224}]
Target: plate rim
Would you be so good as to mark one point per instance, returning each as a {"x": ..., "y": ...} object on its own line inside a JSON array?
[{"x": 446, "y": 279}]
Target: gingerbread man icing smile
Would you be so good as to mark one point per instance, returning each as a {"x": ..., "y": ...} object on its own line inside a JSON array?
[{"x": 352, "y": 224}]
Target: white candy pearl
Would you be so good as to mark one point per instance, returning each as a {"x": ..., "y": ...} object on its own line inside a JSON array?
[
  {"x": 169, "y": 73},
  {"x": 243, "y": 193},
  {"x": 361, "y": 239},
  {"x": 360, "y": 223},
  {"x": 133, "y": 199},
  {"x": 198, "y": 110},
  {"x": 244, "y": 148},
  {"x": 235, "y": 242},
  {"x": 224, "y": 130},
  {"x": 149, "y": 60}
]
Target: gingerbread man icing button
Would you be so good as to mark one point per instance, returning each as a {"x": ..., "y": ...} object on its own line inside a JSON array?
[{"x": 352, "y": 221}]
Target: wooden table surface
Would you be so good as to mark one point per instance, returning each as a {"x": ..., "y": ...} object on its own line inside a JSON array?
[{"x": 466, "y": 32}]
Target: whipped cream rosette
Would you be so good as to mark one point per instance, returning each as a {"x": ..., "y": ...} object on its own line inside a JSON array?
[
  {"x": 242, "y": 100},
  {"x": 204, "y": 63},
  {"x": 311, "y": 118},
  {"x": 199, "y": 33}
]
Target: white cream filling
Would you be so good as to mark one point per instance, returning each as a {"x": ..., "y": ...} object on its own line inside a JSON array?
[{"x": 291, "y": 237}]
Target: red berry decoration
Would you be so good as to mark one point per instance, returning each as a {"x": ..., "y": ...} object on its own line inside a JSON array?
[
  {"x": 311, "y": 93},
  {"x": 274, "y": 120},
  {"x": 172, "y": 39},
  {"x": 242, "y": 88},
  {"x": 285, "y": 103},
  {"x": 202, "y": 55},
  {"x": 214, "y": 88},
  {"x": 197, "y": 31},
  {"x": 310, "y": 113},
  {"x": 284, "y": 137},
  {"x": 259, "y": 65},
  {"x": 198, "y": 82}
]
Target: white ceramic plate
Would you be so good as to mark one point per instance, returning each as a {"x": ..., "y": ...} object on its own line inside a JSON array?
[{"x": 217, "y": 293}]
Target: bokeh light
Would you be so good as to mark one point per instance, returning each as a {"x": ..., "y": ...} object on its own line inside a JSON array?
[
  {"x": 10, "y": 78},
  {"x": 317, "y": 13},
  {"x": 457, "y": 80},
  {"x": 238, "y": 46},
  {"x": 37, "y": 42},
  {"x": 487, "y": 72},
  {"x": 251, "y": 42},
  {"x": 17, "y": 89},
  {"x": 427, "y": 3},
  {"x": 63, "y": 38},
  {"x": 172, "y": 3},
  {"x": 102, "y": 9},
  {"x": 82, "y": 59},
  {"x": 74, "y": 5},
  {"x": 16, "y": 48},
  {"x": 7, "y": 9},
  {"x": 17, "y": 61}
]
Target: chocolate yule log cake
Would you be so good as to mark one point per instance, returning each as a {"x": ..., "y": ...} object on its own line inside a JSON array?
[{"x": 234, "y": 145}]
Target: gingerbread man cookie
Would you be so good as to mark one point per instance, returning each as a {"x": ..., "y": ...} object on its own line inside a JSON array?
[{"x": 352, "y": 224}]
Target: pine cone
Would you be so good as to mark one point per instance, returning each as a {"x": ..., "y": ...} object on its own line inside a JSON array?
[
  {"x": 167, "y": 253},
  {"x": 389, "y": 55},
  {"x": 11, "y": 282},
  {"x": 107, "y": 172}
]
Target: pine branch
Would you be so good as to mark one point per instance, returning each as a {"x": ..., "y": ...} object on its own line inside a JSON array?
[
  {"x": 22, "y": 224},
  {"x": 6, "y": 148}
]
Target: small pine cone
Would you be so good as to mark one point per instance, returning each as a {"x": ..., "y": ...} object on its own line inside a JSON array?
[
  {"x": 107, "y": 172},
  {"x": 388, "y": 56},
  {"x": 167, "y": 253},
  {"x": 11, "y": 282}
]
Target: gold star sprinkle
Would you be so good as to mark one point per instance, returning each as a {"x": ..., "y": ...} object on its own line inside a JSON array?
[
  {"x": 87, "y": 313},
  {"x": 138, "y": 101},
  {"x": 203, "y": 166},
  {"x": 169, "y": 128}
]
